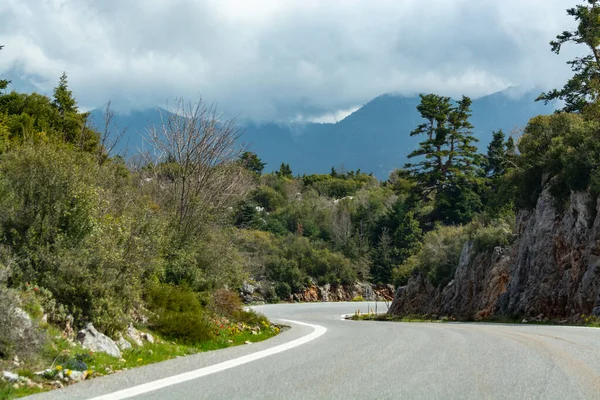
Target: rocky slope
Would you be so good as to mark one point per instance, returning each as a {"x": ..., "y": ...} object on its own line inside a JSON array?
[
  {"x": 552, "y": 270},
  {"x": 257, "y": 293}
]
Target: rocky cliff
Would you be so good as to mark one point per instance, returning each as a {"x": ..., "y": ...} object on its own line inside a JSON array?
[{"x": 551, "y": 270}]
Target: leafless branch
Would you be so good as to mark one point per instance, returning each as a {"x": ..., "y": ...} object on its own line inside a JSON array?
[{"x": 195, "y": 152}]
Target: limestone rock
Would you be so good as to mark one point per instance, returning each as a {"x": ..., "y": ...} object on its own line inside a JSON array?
[
  {"x": 10, "y": 376},
  {"x": 123, "y": 343},
  {"x": 551, "y": 271},
  {"x": 92, "y": 339},
  {"x": 77, "y": 376},
  {"x": 134, "y": 335},
  {"x": 147, "y": 337}
]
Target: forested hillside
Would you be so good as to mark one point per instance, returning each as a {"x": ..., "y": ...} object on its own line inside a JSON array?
[{"x": 373, "y": 138}]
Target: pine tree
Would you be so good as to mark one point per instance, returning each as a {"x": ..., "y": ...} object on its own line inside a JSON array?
[
  {"x": 63, "y": 97},
  {"x": 448, "y": 161},
  {"x": 495, "y": 160},
  {"x": 428, "y": 171},
  {"x": 400, "y": 238},
  {"x": 284, "y": 171},
  {"x": 583, "y": 89},
  {"x": 252, "y": 163}
]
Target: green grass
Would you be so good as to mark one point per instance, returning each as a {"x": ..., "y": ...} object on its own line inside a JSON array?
[
  {"x": 589, "y": 321},
  {"x": 99, "y": 364},
  {"x": 387, "y": 317}
]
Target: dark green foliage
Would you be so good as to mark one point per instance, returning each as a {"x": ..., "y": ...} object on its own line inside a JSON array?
[
  {"x": 400, "y": 238},
  {"x": 582, "y": 91},
  {"x": 251, "y": 162},
  {"x": 284, "y": 171},
  {"x": 283, "y": 290},
  {"x": 563, "y": 148},
  {"x": 448, "y": 163},
  {"x": 34, "y": 118},
  {"x": 63, "y": 97}
]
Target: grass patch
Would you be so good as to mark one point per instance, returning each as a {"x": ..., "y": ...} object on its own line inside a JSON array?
[
  {"x": 61, "y": 355},
  {"x": 388, "y": 317},
  {"x": 585, "y": 320}
]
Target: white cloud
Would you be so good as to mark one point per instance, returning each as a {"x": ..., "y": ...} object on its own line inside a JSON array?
[
  {"x": 274, "y": 59},
  {"x": 326, "y": 118}
]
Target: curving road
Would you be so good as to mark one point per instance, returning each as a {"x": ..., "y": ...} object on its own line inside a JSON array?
[{"x": 335, "y": 359}]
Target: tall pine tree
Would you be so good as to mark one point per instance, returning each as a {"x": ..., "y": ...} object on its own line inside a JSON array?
[
  {"x": 63, "y": 97},
  {"x": 448, "y": 162},
  {"x": 582, "y": 92}
]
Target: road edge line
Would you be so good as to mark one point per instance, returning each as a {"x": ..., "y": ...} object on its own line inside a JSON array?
[{"x": 317, "y": 332}]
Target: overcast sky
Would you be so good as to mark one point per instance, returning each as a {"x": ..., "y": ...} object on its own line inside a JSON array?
[{"x": 280, "y": 59}]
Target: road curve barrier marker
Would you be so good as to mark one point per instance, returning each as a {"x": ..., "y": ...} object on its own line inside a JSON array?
[{"x": 318, "y": 331}]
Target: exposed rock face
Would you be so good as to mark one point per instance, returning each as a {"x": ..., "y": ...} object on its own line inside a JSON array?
[
  {"x": 92, "y": 339},
  {"x": 553, "y": 269},
  {"x": 327, "y": 292}
]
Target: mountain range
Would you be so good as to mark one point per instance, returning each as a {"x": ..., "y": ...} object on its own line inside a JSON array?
[{"x": 375, "y": 138}]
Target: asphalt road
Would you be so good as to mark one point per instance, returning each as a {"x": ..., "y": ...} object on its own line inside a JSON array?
[{"x": 338, "y": 359}]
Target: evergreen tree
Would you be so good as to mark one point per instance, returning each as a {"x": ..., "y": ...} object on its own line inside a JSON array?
[
  {"x": 399, "y": 239},
  {"x": 252, "y": 163},
  {"x": 333, "y": 173},
  {"x": 428, "y": 171},
  {"x": 448, "y": 161},
  {"x": 63, "y": 97},
  {"x": 284, "y": 171},
  {"x": 500, "y": 158},
  {"x": 3, "y": 82},
  {"x": 495, "y": 160},
  {"x": 583, "y": 89}
]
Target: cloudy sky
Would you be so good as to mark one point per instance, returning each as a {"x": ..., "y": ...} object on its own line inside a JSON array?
[{"x": 280, "y": 59}]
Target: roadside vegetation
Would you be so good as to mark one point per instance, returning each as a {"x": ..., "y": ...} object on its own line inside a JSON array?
[{"x": 164, "y": 241}]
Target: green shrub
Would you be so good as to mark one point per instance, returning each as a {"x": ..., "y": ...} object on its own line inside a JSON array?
[
  {"x": 225, "y": 302},
  {"x": 283, "y": 290},
  {"x": 268, "y": 198},
  {"x": 178, "y": 314},
  {"x": 438, "y": 257},
  {"x": 488, "y": 235}
]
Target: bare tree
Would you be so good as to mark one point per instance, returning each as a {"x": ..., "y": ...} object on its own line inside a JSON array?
[
  {"x": 196, "y": 155},
  {"x": 111, "y": 135}
]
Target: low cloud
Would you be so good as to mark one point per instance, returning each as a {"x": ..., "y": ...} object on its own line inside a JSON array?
[{"x": 273, "y": 59}]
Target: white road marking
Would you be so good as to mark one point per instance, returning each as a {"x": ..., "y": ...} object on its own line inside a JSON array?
[{"x": 187, "y": 376}]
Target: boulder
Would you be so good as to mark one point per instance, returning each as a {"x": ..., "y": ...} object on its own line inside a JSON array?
[
  {"x": 134, "y": 335},
  {"x": 147, "y": 337},
  {"x": 10, "y": 376},
  {"x": 91, "y": 339},
  {"x": 77, "y": 376},
  {"x": 123, "y": 343}
]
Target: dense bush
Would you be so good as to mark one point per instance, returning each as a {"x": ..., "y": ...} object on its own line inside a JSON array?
[
  {"x": 563, "y": 146},
  {"x": 438, "y": 257},
  {"x": 177, "y": 313},
  {"x": 68, "y": 227}
]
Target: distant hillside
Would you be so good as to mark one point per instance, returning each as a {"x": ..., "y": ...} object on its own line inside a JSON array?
[{"x": 375, "y": 138}]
